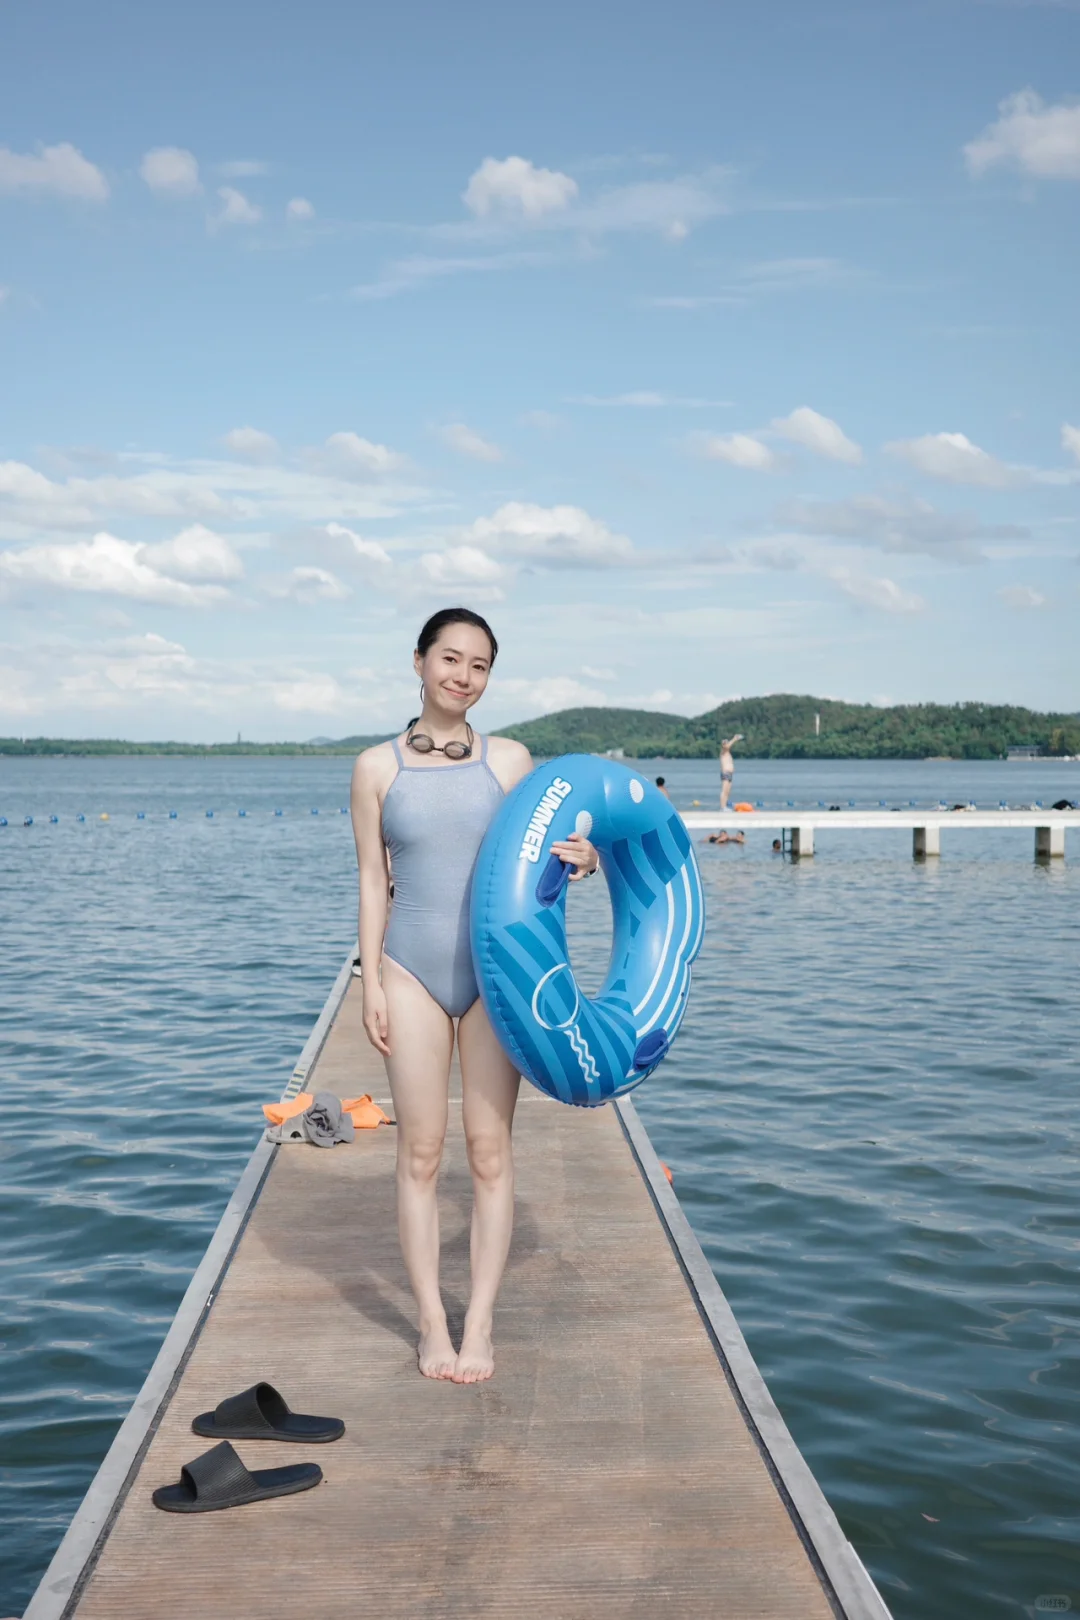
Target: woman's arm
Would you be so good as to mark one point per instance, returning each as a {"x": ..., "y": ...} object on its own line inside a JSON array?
[
  {"x": 368, "y": 778},
  {"x": 510, "y": 762}
]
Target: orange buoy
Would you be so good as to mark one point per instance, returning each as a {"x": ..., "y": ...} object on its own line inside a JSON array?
[
  {"x": 667, "y": 1172},
  {"x": 744, "y": 807}
]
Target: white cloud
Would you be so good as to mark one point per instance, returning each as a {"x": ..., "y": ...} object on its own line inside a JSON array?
[
  {"x": 243, "y": 168},
  {"x": 171, "y": 171},
  {"x": 219, "y": 493},
  {"x": 105, "y": 565},
  {"x": 513, "y": 191},
  {"x": 360, "y": 455},
  {"x": 366, "y": 550},
  {"x": 1070, "y": 439},
  {"x": 883, "y": 594},
  {"x": 1022, "y": 597},
  {"x": 670, "y": 207},
  {"x": 560, "y": 536},
  {"x": 597, "y": 674},
  {"x": 899, "y": 526},
  {"x": 308, "y": 694},
  {"x": 60, "y": 170},
  {"x": 514, "y": 185},
  {"x": 196, "y": 553},
  {"x": 461, "y": 565},
  {"x": 796, "y": 554},
  {"x": 299, "y": 208},
  {"x": 308, "y": 585},
  {"x": 549, "y": 694},
  {"x": 818, "y": 433},
  {"x": 1031, "y": 136},
  {"x": 77, "y": 501},
  {"x": 420, "y": 268},
  {"x": 236, "y": 210},
  {"x": 739, "y": 450},
  {"x": 251, "y": 444},
  {"x": 953, "y": 458},
  {"x": 467, "y": 442}
]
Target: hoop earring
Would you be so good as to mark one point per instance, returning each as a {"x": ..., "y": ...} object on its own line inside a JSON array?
[{"x": 421, "y": 694}]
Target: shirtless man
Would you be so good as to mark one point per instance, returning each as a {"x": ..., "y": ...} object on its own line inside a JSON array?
[{"x": 727, "y": 767}]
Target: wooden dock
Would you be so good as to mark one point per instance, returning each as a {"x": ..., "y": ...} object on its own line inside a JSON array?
[
  {"x": 626, "y": 1460},
  {"x": 797, "y": 827}
]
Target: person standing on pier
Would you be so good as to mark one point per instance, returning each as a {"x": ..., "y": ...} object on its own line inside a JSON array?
[
  {"x": 426, "y": 799},
  {"x": 727, "y": 767}
]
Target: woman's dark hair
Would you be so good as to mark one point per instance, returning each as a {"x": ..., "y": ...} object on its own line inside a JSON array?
[{"x": 438, "y": 622}]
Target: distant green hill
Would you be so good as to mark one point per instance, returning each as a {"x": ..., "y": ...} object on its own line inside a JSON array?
[
  {"x": 776, "y": 727},
  {"x": 640, "y": 732},
  {"x": 786, "y": 727}
]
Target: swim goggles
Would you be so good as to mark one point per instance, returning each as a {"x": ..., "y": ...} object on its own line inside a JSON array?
[{"x": 422, "y": 744}]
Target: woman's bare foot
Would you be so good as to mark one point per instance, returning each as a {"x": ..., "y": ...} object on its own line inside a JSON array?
[
  {"x": 435, "y": 1354},
  {"x": 476, "y": 1359}
]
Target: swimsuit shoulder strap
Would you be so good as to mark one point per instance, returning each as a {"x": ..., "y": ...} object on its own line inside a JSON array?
[
  {"x": 397, "y": 753},
  {"x": 483, "y": 750}
]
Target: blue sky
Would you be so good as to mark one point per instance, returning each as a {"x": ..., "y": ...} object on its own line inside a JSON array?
[{"x": 711, "y": 350}]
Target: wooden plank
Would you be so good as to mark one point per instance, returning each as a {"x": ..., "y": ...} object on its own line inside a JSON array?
[{"x": 608, "y": 1469}]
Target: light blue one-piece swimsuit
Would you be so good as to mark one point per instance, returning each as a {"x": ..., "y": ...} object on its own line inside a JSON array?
[{"x": 434, "y": 818}]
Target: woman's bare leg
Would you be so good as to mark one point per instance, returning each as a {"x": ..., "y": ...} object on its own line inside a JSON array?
[
  {"x": 489, "y": 1088},
  {"x": 421, "y": 1042}
]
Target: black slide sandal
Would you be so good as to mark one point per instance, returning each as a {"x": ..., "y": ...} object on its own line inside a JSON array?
[
  {"x": 218, "y": 1479},
  {"x": 260, "y": 1413}
]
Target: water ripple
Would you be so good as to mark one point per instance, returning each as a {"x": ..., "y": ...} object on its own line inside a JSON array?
[{"x": 870, "y": 1116}]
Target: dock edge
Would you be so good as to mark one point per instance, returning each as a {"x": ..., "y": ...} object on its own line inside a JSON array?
[
  {"x": 73, "y": 1562},
  {"x": 843, "y": 1574}
]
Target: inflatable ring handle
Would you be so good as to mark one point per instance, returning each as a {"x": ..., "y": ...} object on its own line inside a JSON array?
[{"x": 553, "y": 880}]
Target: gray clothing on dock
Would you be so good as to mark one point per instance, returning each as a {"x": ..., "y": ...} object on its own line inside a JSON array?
[{"x": 323, "y": 1124}]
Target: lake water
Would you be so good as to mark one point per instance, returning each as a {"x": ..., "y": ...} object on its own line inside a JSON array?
[{"x": 870, "y": 1115}]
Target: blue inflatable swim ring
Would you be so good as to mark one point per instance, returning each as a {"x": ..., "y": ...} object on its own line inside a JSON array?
[{"x": 579, "y": 1049}]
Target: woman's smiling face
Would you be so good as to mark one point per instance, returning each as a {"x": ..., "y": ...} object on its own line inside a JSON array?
[{"x": 455, "y": 670}]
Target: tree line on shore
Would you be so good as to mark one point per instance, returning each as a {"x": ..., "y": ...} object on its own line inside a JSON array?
[{"x": 781, "y": 726}]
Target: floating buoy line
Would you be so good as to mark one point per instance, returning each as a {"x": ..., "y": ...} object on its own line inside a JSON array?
[
  {"x": 695, "y": 804},
  {"x": 172, "y": 815}
]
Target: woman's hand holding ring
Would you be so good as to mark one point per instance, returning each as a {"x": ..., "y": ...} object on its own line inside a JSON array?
[{"x": 578, "y": 852}]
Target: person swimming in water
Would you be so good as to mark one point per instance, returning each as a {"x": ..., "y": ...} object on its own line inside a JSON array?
[{"x": 425, "y": 800}]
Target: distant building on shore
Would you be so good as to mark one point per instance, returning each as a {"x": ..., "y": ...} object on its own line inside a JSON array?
[{"x": 1019, "y": 751}]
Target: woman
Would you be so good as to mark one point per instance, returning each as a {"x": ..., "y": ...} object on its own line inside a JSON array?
[{"x": 423, "y": 802}]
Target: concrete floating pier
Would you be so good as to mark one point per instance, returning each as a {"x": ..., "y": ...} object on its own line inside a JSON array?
[
  {"x": 797, "y": 827},
  {"x": 626, "y": 1460}
]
